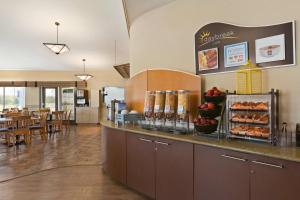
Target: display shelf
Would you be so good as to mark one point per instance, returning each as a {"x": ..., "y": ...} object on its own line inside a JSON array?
[{"x": 271, "y": 99}]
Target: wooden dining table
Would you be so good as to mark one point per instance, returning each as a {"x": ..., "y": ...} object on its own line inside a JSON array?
[{"x": 4, "y": 120}]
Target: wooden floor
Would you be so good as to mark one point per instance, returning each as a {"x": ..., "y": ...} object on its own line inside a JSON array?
[{"x": 67, "y": 166}]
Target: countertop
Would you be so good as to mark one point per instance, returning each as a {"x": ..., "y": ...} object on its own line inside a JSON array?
[{"x": 290, "y": 153}]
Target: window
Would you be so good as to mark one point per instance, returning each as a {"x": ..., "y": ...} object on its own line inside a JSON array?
[
  {"x": 12, "y": 97},
  {"x": 1, "y": 98}
]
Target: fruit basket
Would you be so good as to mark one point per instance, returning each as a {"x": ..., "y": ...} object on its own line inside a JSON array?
[
  {"x": 215, "y": 99},
  {"x": 210, "y": 121},
  {"x": 210, "y": 113},
  {"x": 206, "y": 128}
]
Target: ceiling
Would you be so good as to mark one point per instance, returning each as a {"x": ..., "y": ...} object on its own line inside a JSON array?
[
  {"x": 136, "y": 8},
  {"x": 88, "y": 27}
]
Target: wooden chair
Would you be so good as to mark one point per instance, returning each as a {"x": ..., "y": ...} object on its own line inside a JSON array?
[
  {"x": 44, "y": 110},
  {"x": 5, "y": 110},
  {"x": 57, "y": 121},
  {"x": 25, "y": 111},
  {"x": 13, "y": 114},
  {"x": 14, "y": 110},
  {"x": 41, "y": 126},
  {"x": 67, "y": 120},
  {"x": 4, "y": 129},
  {"x": 20, "y": 127}
]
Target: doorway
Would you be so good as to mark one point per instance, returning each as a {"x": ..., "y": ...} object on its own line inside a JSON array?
[{"x": 50, "y": 98}]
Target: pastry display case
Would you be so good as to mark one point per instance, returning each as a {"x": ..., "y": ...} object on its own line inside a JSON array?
[{"x": 253, "y": 117}]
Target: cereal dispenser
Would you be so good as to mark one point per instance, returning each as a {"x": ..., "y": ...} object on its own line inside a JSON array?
[
  {"x": 159, "y": 107},
  {"x": 183, "y": 111},
  {"x": 170, "y": 110},
  {"x": 149, "y": 107}
]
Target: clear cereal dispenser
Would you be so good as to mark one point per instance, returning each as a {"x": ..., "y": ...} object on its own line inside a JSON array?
[
  {"x": 183, "y": 112},
  {"x": 170, "y": 110},
  {"x": 159, "y": 108}
]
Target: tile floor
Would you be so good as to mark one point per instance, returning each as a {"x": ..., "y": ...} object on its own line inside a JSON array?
[{"x": 66, "y": 166}]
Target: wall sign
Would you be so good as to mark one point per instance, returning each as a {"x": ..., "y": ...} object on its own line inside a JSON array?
[
  {"x": 221, "y": 47},
  {"x": 235, "y": 54}
]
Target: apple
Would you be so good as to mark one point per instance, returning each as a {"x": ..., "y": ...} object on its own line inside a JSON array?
[
  {"x": 210, "y": 93},
  {"x": 195, "y": 121},
  {"x": 210, "y": 106},
  {"x": 204, "y": 106},
  {"x": 203, "y": 121},
  {"x": 217, "y": 93},
  {"x": 213, "y": 121}
]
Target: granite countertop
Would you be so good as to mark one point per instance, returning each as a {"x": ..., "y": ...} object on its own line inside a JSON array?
[{"x": 291, "y": 153}]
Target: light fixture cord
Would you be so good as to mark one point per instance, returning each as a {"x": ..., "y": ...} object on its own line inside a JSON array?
[
  {"x": 83, "y": 66},
  {"x": 115, "y": 52},
  {"x": 57, "y": 34}
]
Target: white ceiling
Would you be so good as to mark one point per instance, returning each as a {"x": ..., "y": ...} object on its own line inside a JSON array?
[
  {"x": 136, "y": 8},
  {"x": 88, "y": 27}
]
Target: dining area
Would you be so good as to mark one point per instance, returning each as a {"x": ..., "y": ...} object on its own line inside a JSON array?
[{"x": 19, "y": 126}]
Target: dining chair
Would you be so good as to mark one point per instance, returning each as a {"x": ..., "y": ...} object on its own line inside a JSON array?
[
  {"x": 67, "y": 120},
  {"x": 19, "y": 127},
  {"x": 4, "y": 128},
  {"x": 5, "y": 110},
  {"x": 25, "y": 111},
  {"x": 41, "y": 126},
  {"x": 57, "y": 122},
  {"x": 13, "y": 114}
]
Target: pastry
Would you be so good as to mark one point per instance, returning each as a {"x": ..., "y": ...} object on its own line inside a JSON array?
[
  {"x": 261, "y": 106},
  {"x": 264, "y": 119}
]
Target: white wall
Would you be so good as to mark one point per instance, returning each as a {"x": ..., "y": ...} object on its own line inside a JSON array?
[{"x": 164, "y": 38}]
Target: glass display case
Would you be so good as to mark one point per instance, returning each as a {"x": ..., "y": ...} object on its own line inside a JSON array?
[{"x": 253, "y": 117}]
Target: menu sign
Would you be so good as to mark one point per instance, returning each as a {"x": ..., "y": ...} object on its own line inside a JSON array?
[{"x": 221, "y": 47}]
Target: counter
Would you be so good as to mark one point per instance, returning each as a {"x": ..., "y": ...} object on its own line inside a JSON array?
[
  {"x": 87, "y": 115},
  {"x": 285, "y": 153},
  {"x": 148, "y": 161}
]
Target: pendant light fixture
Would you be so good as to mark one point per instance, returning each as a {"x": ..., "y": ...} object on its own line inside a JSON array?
[
  {"x": 57, "y": 48},
  {"x": 84, "y": 76}
]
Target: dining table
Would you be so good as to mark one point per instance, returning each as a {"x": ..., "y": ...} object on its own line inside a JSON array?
[{"x": 4, "y": 120}]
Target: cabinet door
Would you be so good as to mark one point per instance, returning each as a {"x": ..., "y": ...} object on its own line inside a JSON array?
[
  {"x": 114, "y": 153},
  {"x": 274, "y": 179},
  {"x": 141, "y": 164},
  {"x": 220, "y": 174},
  {"x": 174, "y": 170}
]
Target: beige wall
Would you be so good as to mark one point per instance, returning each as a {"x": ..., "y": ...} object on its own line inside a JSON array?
[
  {"x": 164, "y": 38},
  {"x": 101, "y": 78}
]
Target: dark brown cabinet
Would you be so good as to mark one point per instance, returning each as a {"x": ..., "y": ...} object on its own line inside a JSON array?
[
  {"x": 114, "y": 153},
  {"x": 141, "y": 164},
  {"x": 220, "y": 174},
  {"x": 159, "y": 168},
  {"x": 174, "y": 170},
  {"x": 274, "y": 179},
  {"x": 165, "y": 169}
]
